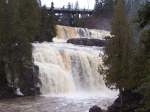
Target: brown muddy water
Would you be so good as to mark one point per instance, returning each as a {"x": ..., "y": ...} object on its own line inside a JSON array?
[{"x": 53, "y": 104}]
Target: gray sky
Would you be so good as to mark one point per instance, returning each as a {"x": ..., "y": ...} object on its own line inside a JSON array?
[{"x": 59, "y": 3}]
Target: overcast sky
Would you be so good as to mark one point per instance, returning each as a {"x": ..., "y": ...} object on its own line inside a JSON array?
[{"x": 60, "y": 3}]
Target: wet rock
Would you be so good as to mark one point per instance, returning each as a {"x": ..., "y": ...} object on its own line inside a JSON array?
[
  {"x": 95, "y": 109},
  {"x": 87, "y": 42},
  {"x": 127, "y": 102},
  {"x": 30, "y": 81},
  {"x": 6, "y": 92}
]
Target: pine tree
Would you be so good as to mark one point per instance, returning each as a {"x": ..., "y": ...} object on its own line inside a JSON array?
[
  {"x": 141, "y": 71},
  {"x": 47, "y": 25},
  {"x": 98, "y": 7},
  {"x": 143, "y": 74},
  {"x": 76, "y": 5},
  {"x": 118, "y": 51},
  {"x": 3, "y": 77},
  {"x": 29, "y": 14},
  {"x": 30, "y": 17},
  {"x": 19, "y": 25},
  {"x": 52, "y": 24},
  {"x": 108, "y": 6},
  {"x": 76, "y": 18},
  {"x": 144, "y": 15}
]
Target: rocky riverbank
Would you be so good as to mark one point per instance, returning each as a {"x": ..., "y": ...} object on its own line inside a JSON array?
[{"x": 126, "y": 102}]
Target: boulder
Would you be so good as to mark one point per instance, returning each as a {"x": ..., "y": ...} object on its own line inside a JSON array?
[
  {"x": 95, "y": 109},
  {"x": 7, "y": 92},
  {"x": 87, "y": 42},
  {"x": 30, "y": 81},
  {"x": 24, "y": 82}
]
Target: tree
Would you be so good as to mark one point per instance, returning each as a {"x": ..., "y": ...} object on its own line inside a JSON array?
[
  {"x": 30, "y": 17},
  {"x": 141, "y": 71},
  {"x": 76, "y": 18},
  {"x": 47, "y": 25},
  {"x": 108, "y": 6},
  {"x": 118, "y": 51},
  {"x": 19, "y": 25},
  {"x": 76, "y": 5},
  {"x": 3, "y": 77},
  {"x": 69, "y": 16},
  {"x": 69, "y": 6},
  {"x": 144, "y": 15},
  {"x": 128, "y": 70},
  {"x": 144, "y": 56},
  {"x": 103, "y": 7},
  {"x": 98, "y": 7}
]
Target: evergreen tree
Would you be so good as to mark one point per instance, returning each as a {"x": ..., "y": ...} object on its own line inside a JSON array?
[
  {"x": 143, "y": 70},
  {"x": 108, "y": 6},
  {"x": 19, "y": 25},
  {"x": 76, "y": 5},
  {"x": 77, "y": 21},
  {"x": 144, "y": 15},
  {"x": 52, "y": 24},
  {"x": 76, "y": 18},
  {"x": 30, "y": 17},
  {"x": 98, "y": 7},
  {"x": 29, "y": 14},
  {"x": 69, "y": 16},
  {"x": 47, "y": 26},
  {"x": 3, "y": 77},
  {"x": 128, "y": 70},
  {"x": 118, "y": 51}
]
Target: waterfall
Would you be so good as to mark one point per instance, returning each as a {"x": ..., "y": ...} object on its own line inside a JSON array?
[
  {"x": 64, "y": 33},
  {"x": 69, "y": 69}
]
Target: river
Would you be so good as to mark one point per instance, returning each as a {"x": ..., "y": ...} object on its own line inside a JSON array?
[{"x": 54, "y": 104}]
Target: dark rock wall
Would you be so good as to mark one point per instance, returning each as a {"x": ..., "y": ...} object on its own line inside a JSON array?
[{"x": 28, "y": 82}]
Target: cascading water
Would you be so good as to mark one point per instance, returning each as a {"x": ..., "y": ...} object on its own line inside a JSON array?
[
  {"x": 70, "y": 81},
  {"x": 69, "y": 69},
  {"x": 64, "y": 33}
]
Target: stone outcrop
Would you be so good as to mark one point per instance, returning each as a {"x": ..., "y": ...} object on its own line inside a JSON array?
[
  {"x": 5, "y": 90},
  {"x": 95, "y": 109},
  {"x": 127, "y": 102},
  {"x": 87, "y": 42},
  {"x": 30, "y": 81}
]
